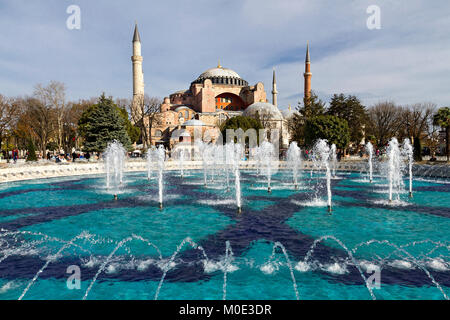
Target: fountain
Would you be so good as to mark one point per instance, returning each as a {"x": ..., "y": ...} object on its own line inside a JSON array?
[
  {"x": 294, "y": 161},
  {"x": 229, "y": 162},
  {"x": 204, "y": 155},
  {"x": 161, "y": 156},
  {"x": 114, "y": 162},
  {"x": 111, "y": 251},
  {"x": 236, "y": 154},
  {"x": 321, "y": 152},
  {"x": 150, "y": 159},
  {"x": 334, "y": 159},
  {"x": 267, "y": 155},
  {"x": 394, "y": 170},
  {"x": 179, "y": 154},
  {"x": 369, "y": 150},
  {"x": 408, "y": 153}
]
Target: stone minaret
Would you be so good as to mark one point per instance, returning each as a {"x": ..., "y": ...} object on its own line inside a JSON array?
[
  {"x": 307, "y": 74},
  {"x": 274, "y": 90},
  {"x": 138, "y": 74}
]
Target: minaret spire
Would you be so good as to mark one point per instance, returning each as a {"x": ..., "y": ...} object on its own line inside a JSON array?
[
  {"x": 307, "y": 73},
  {"x": 274, "y": 90},
  {"x": 136, "y": 37},
  {"x": 138, "y": 74}
]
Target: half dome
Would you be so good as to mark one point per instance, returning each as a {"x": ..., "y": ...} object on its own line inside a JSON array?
[
  {"x": 193, "y": 123},
  {"x": 263, "y": 109}
]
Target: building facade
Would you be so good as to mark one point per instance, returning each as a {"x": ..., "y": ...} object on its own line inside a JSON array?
[{"x": 212, "y": 98}]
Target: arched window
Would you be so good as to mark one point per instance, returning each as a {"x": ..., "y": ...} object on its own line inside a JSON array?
[
  {"x": 186, "y": 114},
  {"x": 180, "y": 115}
]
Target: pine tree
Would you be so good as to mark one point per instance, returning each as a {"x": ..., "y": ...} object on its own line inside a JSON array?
[
  {"x": 312, "y": 107},
  {"x": 101, "y": 124},
  {"x": 351, "y": 109},
  {"x": 31, "y": 149}
]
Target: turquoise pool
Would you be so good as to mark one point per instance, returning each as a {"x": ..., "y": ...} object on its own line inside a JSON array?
[{"x": 284, "y": 245}]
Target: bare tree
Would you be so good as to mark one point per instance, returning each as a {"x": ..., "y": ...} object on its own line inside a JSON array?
[
  {"x": 36, "y": 122},
  {"x": 8, "y": 117},
  {"x": 384, "y": 121},
  {"x": 146, "y": 114},
  {"x": 416, "y": 119},
  {"x": 54, "y": 96}
]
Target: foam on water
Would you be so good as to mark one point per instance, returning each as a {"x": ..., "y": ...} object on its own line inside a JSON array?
[
  {"x": 311, "y": 203},
  {"x": 211, "y": 266},
  {"x": 217, "y": 202},
  {"x": 438, "y": 264},
  {"x": 9, "y": 286},
  {"x": 269, "y": 268},
  {"x": 336, "y": 268},
  {"x": 393, "y": 203},
  {"x": 302, "y": 266},
  {"x": 402, "y": 264}
]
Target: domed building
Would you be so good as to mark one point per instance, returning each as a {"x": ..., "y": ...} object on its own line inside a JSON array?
[
  {"x": 214, "y": 90},
  {"x": 216, "y": 95}
]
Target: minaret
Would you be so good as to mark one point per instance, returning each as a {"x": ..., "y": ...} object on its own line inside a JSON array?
[
  {"x": 307, "y": 74},
  {"x": 138, "y": 74},
  {"x": 274, "y": 90}
]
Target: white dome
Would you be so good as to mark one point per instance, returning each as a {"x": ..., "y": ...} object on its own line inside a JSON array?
[
  {"x": 180, "y": 108},
  {"x": 176, "y": 134},
  {"x": 185, "y": 134},
  {"x": 288, "y": 113},
  {"x": 219, "y": 72},
  {"x": 263, "y": 109},
  {"x": 193, "y": 123}
]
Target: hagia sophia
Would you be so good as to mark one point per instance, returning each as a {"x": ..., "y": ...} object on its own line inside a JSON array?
[{"x": 216, "y": 95}]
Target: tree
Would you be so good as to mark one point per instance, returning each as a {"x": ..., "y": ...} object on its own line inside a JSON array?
[
  {"x": 240, "y": 122},
  {"x": 312, "y": 107},
  {"x": 384, "y": 122},
  {"x": 8, "y": 117},
  {"x": 442, "y": 119},
  {"x": 351, "y": 109},
  {"x": 70, "y": 136},
  {"x": 35, "y": 122},
  {"x": 331, "y": 128},
  {"x": 101, "y": 124},
  {"x": 145, "y": 114},
  {"x": 417, "y": 149},
  {"x": 133, "y": 131},
  {"x": 53, "y": 96},
  {"x": 31, "y": 152}
]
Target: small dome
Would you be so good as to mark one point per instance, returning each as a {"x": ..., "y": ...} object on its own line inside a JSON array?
[
  {"x": 185, "y": 134},
  {"x": 193, "y": 123},
  {"x": 263, "y": 109},
  {"x": 180, "y": 108},
  {"x": 176, "y": 134},
  {"x": 288, "y": 113}
]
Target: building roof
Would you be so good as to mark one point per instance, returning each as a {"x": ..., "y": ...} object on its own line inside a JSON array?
[
  {"x": 194, "y": 123},
  {"x": 219, "y": 73},
  {"x": 263, "y": 109},
  {"x": 183, "y": 108}
]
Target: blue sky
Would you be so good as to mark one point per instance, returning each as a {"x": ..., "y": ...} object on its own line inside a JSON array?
[{"x": 406, "y": 61}]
